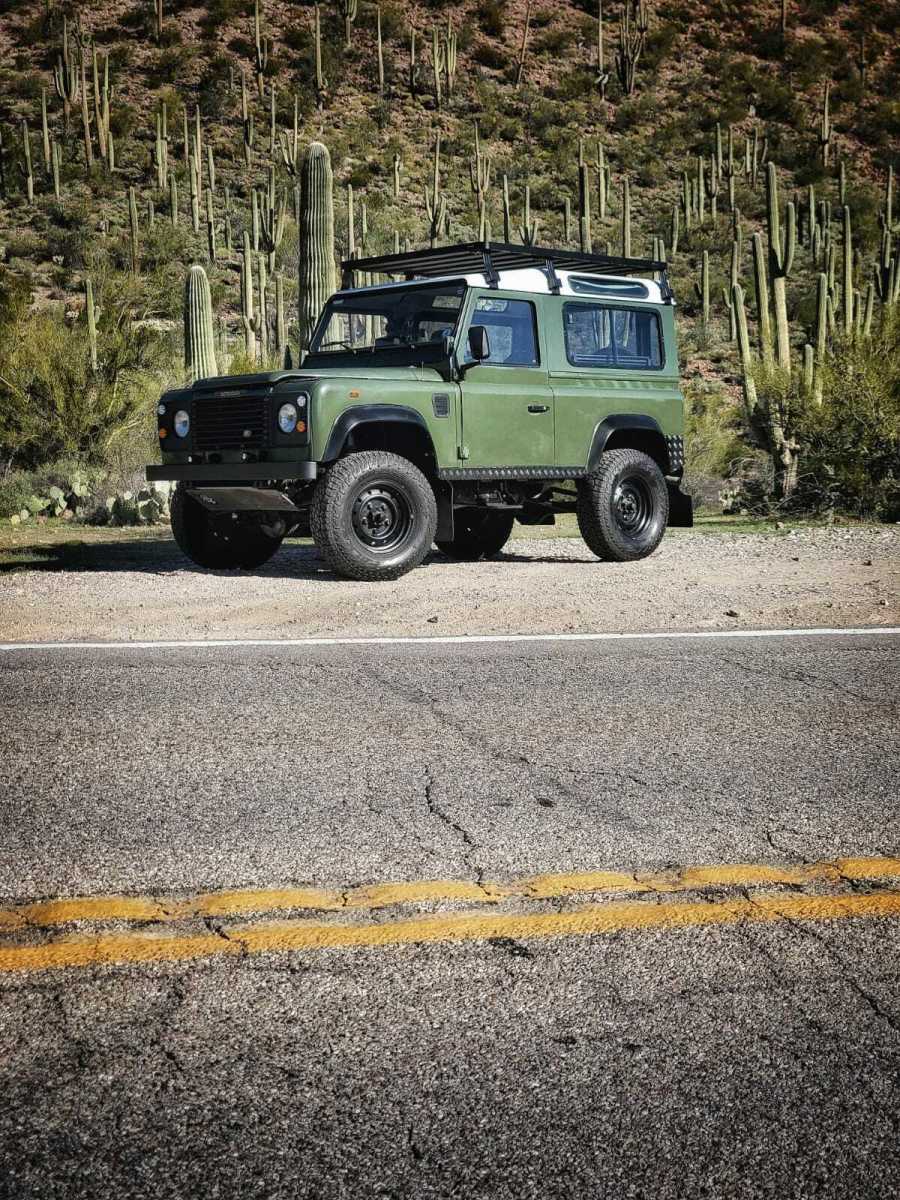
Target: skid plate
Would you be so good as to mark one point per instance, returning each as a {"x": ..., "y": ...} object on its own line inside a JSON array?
[{"x": 243, "y": 499}]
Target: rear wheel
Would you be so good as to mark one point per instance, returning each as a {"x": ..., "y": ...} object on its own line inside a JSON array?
[
  {"x": 478, "y": 533},
  {"x": 373, "y": 516},
  {"x": 219, "y": 543},
  {"x": 623, "y": 506}
]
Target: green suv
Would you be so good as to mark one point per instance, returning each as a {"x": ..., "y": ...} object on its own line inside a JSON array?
[{"x": 487, "y": 383}]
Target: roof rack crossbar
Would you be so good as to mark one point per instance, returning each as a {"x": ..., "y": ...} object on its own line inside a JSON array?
[{"x": 490, "y": 258}]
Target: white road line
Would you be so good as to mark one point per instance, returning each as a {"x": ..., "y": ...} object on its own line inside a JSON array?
[{"x": 474, "y": 639}]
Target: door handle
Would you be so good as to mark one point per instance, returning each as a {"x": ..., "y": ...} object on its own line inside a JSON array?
[{"x": 538, "y": 408}]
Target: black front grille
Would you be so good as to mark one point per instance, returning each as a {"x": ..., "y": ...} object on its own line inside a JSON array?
[{"x": 229, "y": 423}]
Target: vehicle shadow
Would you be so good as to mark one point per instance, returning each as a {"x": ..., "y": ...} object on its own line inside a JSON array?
[{"x": 161, "y": 556}]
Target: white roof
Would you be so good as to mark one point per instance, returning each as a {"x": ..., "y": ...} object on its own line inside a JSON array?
[{"x": 572, "y": 283}]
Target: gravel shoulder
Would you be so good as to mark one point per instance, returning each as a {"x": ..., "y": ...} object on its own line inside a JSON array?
[{"x": 142, "y": 587}]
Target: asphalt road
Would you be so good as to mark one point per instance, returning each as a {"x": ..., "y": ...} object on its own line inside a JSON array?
[{"x": 752, "y": 1057}]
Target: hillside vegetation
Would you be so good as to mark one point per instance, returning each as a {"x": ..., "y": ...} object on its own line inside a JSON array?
[{"x": 140, "y": 138}]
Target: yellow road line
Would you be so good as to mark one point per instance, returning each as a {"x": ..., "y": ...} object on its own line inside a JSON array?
[
  {"x": 594, "y": 919},
  {"x": 51, "y": 913}
]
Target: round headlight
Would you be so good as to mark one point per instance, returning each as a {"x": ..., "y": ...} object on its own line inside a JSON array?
[
  {"x": 287, "y": 418},
  {"x": 182, "y": 423}
]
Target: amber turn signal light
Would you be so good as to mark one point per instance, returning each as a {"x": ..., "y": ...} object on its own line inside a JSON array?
[
  {"x": 301, "y": 427},
  {"x": 163, "y": 433}
]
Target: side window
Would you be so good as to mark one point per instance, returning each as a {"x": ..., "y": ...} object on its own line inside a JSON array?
[
  {"x": 512, "y": 330},
  {"x": 598, "y": 335}
]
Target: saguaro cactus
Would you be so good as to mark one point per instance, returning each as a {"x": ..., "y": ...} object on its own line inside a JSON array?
[
  {"x": 763, "y": 318},
  {"x": 528, "y": 230},
  {"x": 199, "y": 343},
  {"x": 261, "y": 47},
  {"x": 66, "y": 77},
  {"x": 133, "y": 222},
  {"x": 161, "y": 146},
  {"x": 584, "y": 209},
  {"x": 633, "y": 27},
  {"x": 480, "y": 178},
  {"x": 349, "y": 9},
  {"x": 272, "y": 212},
  {"x": 626, "y": 219},
  {"x": 781, "y": 258},
  {"x": 317, "y": 272},
  {"x": 321, "y": 81},
  {"x": 435, "y": 200},
  {"x": 90, "y": 313},
  {"x": 702, "y": 289},
  {"x": 26, "y": 154},
  {"x": 765, "y": 420},
  {"x": 380, "y": 43},
  {"x": 847, "y": 294},
  {"x": 523, "y": 47},
  {"x": 825, "y": 129}
]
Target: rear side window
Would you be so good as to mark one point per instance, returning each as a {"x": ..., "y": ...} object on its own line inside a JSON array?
[
  {"x": 512, "y": 331},
  {"x": 598, "y": 335}
]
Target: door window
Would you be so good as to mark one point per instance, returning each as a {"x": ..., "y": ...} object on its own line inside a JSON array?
[
  {"x": 512, "y": 331},
  {"x": 598, "y": 335}
]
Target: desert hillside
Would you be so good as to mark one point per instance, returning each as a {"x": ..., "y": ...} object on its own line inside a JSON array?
[{"x": 136, "y": 136}]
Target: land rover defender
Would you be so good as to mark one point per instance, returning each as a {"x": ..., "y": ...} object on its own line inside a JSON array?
[{"x": 482, "y": 384}]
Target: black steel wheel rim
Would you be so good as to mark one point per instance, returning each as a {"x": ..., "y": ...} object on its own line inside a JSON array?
[
  {"x": 633, "y": 506},
  {"x": 382, "y": 516}
]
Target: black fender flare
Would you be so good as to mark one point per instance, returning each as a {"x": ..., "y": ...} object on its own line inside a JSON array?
[
  {"x": 617, "y": 421},
  {"x": 370, "y": 414},
  {"x": 395, "y": 414}
]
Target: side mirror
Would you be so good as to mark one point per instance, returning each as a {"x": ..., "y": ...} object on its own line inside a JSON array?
[{"x": 479, "y": 343}]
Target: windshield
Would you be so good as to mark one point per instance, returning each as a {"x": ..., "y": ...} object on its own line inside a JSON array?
[{"x": 389, "y": 320}]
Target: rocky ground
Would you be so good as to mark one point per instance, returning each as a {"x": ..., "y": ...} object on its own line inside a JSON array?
[{"x": 144, "y": 588}]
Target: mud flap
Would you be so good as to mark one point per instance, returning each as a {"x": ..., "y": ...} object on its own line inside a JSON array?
[{"x": 681, "y": 508}]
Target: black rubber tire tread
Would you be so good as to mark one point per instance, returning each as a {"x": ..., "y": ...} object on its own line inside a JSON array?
[
  {"x": 594, "y": 509},
  {"x": 217, "y": 543},
  {"x": 329, "y": 516},
  {"x": 478, "y": 534}
]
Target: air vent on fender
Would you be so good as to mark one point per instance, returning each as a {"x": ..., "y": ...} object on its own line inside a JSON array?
[{"x": 441, "y": 402}]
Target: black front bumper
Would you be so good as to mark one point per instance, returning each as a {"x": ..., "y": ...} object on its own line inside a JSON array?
[{"x": 231, "y": 472}]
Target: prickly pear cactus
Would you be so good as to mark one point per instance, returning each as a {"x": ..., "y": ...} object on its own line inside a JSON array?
[
  {"x": 317, "y": 272},
  {"x": 199, "y": 345}
]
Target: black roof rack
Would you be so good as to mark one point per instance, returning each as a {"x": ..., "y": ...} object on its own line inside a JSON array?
[{"x": 489, "y": 259}]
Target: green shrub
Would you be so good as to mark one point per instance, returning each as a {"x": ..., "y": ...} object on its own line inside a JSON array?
[
  {"x": 52, "y": 404},
  {"x": 492, "y": 16},
  {"x": 712, "y": 437},
  {"x": 851, "y": 442},
  {"x": 660, "y": 41},
  {"x": 554, "y": 41},
  {"x": 490, "y": 55}
]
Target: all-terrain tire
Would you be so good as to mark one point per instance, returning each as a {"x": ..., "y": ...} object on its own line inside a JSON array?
[
  {"x": 373, "y": 516},
  {"x": 623, "y": 506},
  {"x": 219, "y": 543},
  {"x": 478, "y": 533}
]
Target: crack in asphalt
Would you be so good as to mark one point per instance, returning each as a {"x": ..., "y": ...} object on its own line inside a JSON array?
[
  {"x": 408, "y": 831},
  {"x": 816, "y": 682},
  {"x": 846, "y": 975},
  {"x": 783, "y": 849},
  {"x": 468, "y": 841}
]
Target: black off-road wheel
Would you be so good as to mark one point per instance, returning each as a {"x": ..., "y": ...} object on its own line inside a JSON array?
[
  {"x": 478, "y": 533},
  {"x": 219, "y": 543},
  {"x": 373, "y": 516},
  {"x": 623, "y": 506}
]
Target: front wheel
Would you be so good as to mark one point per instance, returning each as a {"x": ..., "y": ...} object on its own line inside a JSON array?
[
  {"x": 219, "y": 543},
  {"x": 373, "y": 516},
  {"x": 623, "y": 506},
  {"x": 478, "y": 533}
]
